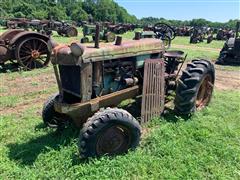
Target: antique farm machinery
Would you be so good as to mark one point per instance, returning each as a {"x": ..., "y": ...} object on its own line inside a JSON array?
[
  {"x": 43, "y": 26},
  {"x": 29, "y": 49},
  {"x": 160, "y": 31},
  {"x": 230, "y": 53},
  {"x": 94, "y": 79},
  {"x": 89, "y": 31}
]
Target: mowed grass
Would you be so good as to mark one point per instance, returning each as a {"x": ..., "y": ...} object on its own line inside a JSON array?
[
  {"x": 204, "y": 146},
  {"x": 185, "y": 41}
]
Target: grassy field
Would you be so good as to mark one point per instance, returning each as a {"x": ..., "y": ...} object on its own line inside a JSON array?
[{"x": 204, "y": 146}]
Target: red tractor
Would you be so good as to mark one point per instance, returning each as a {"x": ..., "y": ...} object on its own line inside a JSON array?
[{"x": 29, "y": 49}]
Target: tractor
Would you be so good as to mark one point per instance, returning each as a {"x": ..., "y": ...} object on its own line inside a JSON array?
[
  {"x": 28, "y": 48},
  {"x": 230, "y": 53},
  {"x": 90, "y": 30},
  {"x": 160, "y": 31},
  {"x": 94, "y": 79}
]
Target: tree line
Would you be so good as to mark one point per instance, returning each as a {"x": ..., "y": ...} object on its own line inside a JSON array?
[
  {"x": 76, "y": 10},
  {"x": 81, "y": 10},
  {"x": 193, "y": 23}
]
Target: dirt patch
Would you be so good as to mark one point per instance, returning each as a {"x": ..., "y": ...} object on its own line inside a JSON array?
[
  {"x": 227, "y": 80},
  {"x": 20, "y": 108},
  {"x": 23, "y": 85}
]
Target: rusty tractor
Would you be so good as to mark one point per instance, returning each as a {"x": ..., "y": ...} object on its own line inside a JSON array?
[
  {"x": 160, "y": 31},
  {"x": 28, "y": 48},
  {"x": 43, "y": 26},
  {"x": 89, "y": 30},
  {"x": 196, "y": 36},
  {"x": 120, "y": 28},
  {"x": 230, "y": 53},
  {"x": 94, "y": 79}
]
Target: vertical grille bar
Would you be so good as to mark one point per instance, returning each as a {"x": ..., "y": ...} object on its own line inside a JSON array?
[{"x": 153, "y": 89}]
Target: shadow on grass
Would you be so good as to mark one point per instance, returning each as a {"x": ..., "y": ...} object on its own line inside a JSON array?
[
  {"x": 9, "y": 67},
  {"x": 170, "y": 115},
  {"x": 27, "y": 153}
]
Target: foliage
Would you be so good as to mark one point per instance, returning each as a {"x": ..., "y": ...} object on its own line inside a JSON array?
[
  {"x": 194, "y": 22},
  {"x": 77, "y": 10},
  {"x": 205, "y": 146}
]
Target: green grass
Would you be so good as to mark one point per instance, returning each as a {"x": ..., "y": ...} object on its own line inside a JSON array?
[
  {"x": 185, "y": 41},
  {"x": 206, "y": 146}
]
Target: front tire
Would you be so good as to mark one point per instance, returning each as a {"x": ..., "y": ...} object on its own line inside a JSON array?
[
  {"x": 195, "y": 87},
  {"x": 109, "y": 132},
  {"x": 49, "y": 115}
]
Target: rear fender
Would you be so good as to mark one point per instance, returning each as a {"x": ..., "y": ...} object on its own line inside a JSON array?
[{"x": 26, "y": 34}]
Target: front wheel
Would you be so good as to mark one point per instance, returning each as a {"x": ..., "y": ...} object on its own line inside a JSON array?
[
  {"x": 49, "y": 115},
  {"x": 195, "y": 87},
  {"x": 109, "y": 132}
]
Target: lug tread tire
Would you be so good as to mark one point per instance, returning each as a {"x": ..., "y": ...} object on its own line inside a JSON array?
[
  {"x": 94, "y": 125},
  {"x": 48, "y": 112},
  {"x": 189, "y": 83}
]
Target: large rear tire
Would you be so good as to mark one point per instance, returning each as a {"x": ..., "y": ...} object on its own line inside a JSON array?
[
  {"x": 109, "y": 132},
  {"x": 195, "y": 87},
  {"x": 32, "y": 53}
]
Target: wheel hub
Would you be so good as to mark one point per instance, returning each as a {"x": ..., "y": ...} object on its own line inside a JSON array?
[
  {"x": 113, "y": 141},
  {"x": 35, "y": 54},
  {"x": 204, "y": 92}
]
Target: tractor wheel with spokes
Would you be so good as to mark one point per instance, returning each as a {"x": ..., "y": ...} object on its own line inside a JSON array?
[
  {"x": 32, "y": 53},
  {"x": 195, "y": 87}
]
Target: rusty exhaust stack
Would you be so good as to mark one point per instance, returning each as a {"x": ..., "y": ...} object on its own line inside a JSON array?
[
  {"x": 137, "y": 36},
  {"x": 118, "y": 41},
  {"x": 97, "y": 35},
  {"x": 237, "y": 28}
]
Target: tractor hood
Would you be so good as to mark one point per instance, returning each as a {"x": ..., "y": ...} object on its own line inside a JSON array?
[{"x": 65, "y": 55}]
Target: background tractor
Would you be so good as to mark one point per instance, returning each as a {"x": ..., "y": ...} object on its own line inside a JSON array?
[
  {"x": 93, "y": 80},
  {"x": 29, "y": 49},
  {"x": 160, "y": 31},
  {"x": 230, "y": 53},
  {"x": 90, "y": 30}
]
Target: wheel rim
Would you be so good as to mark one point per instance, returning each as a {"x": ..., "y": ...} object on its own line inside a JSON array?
[
  {"x": 32, "y": 53},
  {"x": 204, "y": 92},
  {"x": 115, "y": 140}
]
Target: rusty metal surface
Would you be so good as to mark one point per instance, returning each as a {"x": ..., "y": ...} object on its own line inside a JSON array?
[
  {"x": 29, "y": 34},
  {"x": 8, "y": 35},
  {"x": 107, "y": 51},
  {"x": 12, "y": 47},
  {"x": 79, "y": 112},
  {"x": 153, "y": 89}
]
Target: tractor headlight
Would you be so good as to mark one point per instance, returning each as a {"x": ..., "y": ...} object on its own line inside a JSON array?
[{"x": 77, "y": 49}]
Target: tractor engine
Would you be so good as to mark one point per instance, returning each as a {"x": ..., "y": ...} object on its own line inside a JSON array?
[{"x": 117, "y": 75}]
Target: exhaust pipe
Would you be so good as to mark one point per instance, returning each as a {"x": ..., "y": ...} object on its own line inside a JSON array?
[
  {"x": 237, "y": 28},
  {"x": 97, "y": 35}
]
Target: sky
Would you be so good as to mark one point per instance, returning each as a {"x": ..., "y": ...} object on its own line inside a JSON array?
[{"x": 213, "y": 10}]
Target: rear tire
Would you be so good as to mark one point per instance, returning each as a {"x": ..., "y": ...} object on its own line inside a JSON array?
[
  {"x": 109, "y": 132},
  {"x": 195, "y": 87}
]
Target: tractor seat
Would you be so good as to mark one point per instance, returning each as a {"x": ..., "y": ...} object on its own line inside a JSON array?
[
  {"x": 231, "y": 42},
  {"x": 174, "y": 54}
]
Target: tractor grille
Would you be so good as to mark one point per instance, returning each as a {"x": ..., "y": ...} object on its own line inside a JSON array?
[
  {"x": 153, "y": 89},
  {"x": 70, "y": 80}
]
